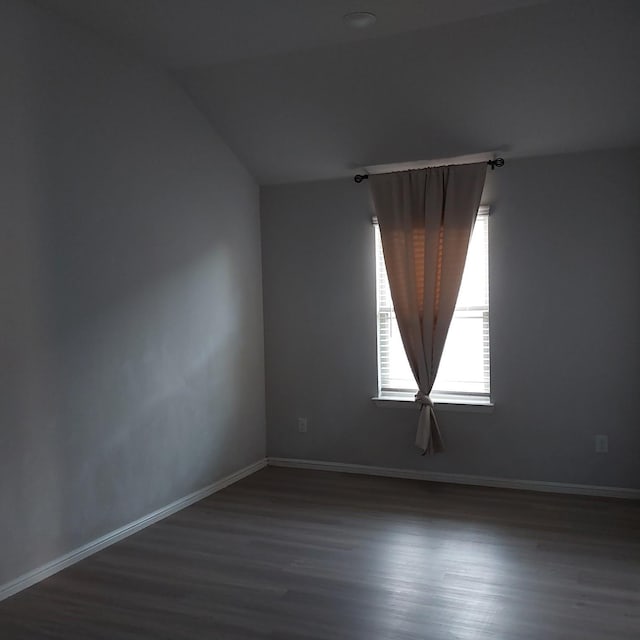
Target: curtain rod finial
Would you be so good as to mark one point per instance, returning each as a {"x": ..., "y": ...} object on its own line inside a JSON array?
[{"x": 360, "y": 177}]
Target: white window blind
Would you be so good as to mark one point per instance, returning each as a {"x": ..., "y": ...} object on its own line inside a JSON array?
[{"x": 464, "y": 369}]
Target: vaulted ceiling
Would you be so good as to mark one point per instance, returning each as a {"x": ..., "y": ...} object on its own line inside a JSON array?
[
  {"x": 299, "y": 96},
  {"x": 195, "y": 33}
]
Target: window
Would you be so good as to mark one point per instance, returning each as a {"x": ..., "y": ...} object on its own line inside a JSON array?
[{"x": 463, "y": 374}]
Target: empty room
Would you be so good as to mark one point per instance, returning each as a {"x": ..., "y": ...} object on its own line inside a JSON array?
[{"x": 319, "y": 319}]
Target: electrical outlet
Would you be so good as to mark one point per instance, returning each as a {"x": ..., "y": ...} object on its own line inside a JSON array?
[
  {"x": 302, "y": 425},
  {"x": 602, "y": 444}
]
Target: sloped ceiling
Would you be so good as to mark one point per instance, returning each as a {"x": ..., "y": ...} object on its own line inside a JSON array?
[
  {"x": 195, "y": 33},
  {"x": 299, "y": 97}
]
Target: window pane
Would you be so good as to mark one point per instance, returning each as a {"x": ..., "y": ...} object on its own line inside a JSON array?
[
  {"x": 394, "y": 366},
  {"x": 474, "y": 289},
  {"x": 464, "y": 367}
]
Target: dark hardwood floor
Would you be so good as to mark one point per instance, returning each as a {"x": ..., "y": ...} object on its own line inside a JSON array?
[{"x": 302, "y": 554}]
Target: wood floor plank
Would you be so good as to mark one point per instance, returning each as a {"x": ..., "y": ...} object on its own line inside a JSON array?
[{"x": 292, "y": 554}]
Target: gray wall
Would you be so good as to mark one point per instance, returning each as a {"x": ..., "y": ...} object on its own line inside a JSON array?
[
  {"x": 565, "y": 324},
  {"x": 130, "y": 293}
]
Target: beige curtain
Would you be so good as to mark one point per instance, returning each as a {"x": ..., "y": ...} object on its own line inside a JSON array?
[{"x": 426, "y": 217}]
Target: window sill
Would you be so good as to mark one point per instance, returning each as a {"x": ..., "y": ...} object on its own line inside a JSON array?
[{"x": 460, "y": 404}]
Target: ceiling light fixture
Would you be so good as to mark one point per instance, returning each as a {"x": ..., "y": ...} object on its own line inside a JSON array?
[{"x": 359, "y": 19}]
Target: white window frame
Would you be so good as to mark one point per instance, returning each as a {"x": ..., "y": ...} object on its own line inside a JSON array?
[{"x": 455, "y": 400}]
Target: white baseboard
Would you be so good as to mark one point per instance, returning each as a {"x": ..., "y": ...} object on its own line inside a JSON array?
[
  {"x": 458, "y": 478},
  {"x": 49, "y": 569},
  {"x": 32, "y": 577}
]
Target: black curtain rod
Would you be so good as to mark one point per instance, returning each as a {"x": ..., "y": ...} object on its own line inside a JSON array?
[{"x": 498, "y": 162}]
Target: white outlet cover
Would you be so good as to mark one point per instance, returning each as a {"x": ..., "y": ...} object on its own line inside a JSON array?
[{"x": 602, "y": 444}]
